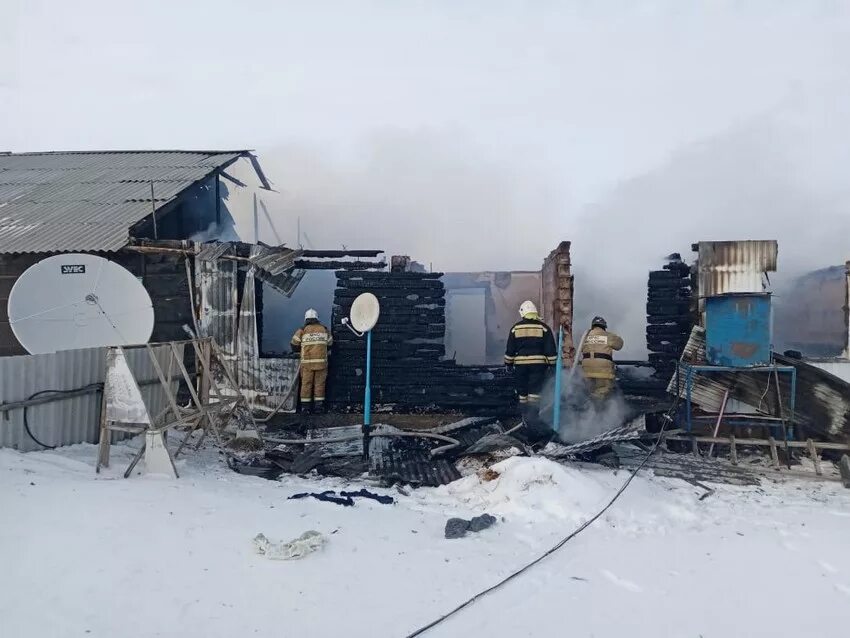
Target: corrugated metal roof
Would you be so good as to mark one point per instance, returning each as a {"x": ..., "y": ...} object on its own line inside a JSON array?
[
  {"x": 734, "y": 266},
  {"x": 274, "y": 260},
  {"x": 86, "y": 201}
]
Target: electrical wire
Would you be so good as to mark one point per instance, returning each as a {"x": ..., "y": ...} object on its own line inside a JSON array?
[
  {"x": 561, "y": 543},
  {"x": 60, "y": 392}
]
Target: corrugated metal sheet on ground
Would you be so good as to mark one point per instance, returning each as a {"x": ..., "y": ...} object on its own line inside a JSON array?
[
  {"x": 822, "y": 400},
  {"x": 88, "y": 200},
  {"x": 408, "y": 460},
  {"x": 71, "y": 420},
  {"x": 734, "y": 266}
]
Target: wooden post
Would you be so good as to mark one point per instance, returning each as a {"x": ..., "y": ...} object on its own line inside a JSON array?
[
  {"x": 172, "y": 402},
  {"x": 733, "y": 449},
  {"x": 813, "y": 451},
  {"x": 773, "y": 453},
  {"x": 105, "y": 435}
]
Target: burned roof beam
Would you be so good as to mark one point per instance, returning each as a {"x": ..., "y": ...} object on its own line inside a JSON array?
[
  {"x": 336, "y": 254},
  {"x": 340, "y": 265}
]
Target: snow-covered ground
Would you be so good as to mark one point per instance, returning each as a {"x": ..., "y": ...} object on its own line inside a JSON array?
[{"x": 86, "y": 555}]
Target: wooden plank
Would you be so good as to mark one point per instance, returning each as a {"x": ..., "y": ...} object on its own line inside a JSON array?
[
  {"x": 159, "y": 373},
  {"x": 135, "y": 461},
  {"x": 815, "y": 457},
  {"x": 774, "y": 454},
  {"x": 200, "y": 405},
  {"x": 205, "y": 359},
  {"x": 762, "y": 442},
  {"x": 104, "y": 443}
]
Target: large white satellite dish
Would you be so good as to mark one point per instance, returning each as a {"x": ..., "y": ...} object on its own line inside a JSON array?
[
  {"x": 74, "y": 301},
  {"x": 365, "y": 312}
]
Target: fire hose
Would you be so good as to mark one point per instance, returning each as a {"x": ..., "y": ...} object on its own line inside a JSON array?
[{"x": 667, "y": 419}]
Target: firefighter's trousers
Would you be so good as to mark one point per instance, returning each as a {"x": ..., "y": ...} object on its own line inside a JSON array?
[
  {"x": 313, "y": 385},
  {"x": 600, "y": 389},
  {"x": 529, "y": 382}
]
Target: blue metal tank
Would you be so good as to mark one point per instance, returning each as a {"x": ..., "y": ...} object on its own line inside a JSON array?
[{"x": 738, "y": 330}]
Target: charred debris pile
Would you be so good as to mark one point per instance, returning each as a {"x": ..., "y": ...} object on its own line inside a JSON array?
[{"x": 409, "y": 372}]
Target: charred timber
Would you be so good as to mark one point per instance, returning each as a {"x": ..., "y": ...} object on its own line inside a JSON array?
[
  {"x": 338, "y": 254},
  {"x": 307, "y": 264}
]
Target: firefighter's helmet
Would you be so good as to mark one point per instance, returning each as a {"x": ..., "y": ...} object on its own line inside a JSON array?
[
  {"x": 527, "y": 308},
  {"x": 311, "y": 314},
  {"x": 599, "y": 322}
]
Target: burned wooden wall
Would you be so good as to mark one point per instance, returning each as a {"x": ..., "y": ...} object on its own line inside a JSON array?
[
  {"x": 11, "y": 267},
  {"x": 557, "y": 296},
  {"x": 409, "y": 372}
]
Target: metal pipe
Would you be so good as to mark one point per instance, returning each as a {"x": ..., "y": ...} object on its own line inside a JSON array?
[
  {"x": 256, "y": 222},
  {"x": 367, "y": 397},
  {"x": 556, "y": 409},
  {"x": 782, "y": 416},
  {"x": 217, "y": 199},
  {"x": 28, "y": 403},
  {"x": 153, "y": 213}
]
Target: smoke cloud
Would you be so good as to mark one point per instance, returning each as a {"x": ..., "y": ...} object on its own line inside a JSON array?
[
  {"x": 581, "y": 418},
  {"x": 475, "y": 135}
]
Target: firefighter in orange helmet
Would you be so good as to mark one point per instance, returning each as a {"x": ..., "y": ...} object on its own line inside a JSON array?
[{"x": 597, "y": 358}]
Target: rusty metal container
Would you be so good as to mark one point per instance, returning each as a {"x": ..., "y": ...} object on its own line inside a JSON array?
[{"x": 738, "y": 330}]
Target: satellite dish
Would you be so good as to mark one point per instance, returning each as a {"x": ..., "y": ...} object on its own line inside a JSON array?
[
  {"x": 76, "y": 300},
  {"x": 365, "y": 312}
]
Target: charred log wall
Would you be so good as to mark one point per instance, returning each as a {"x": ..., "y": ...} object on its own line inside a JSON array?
[{"x": 408, "y": 368}]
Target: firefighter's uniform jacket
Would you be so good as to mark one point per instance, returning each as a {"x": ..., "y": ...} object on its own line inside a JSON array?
[
  {"x": 531, "y": 348},
  {"x": 597, "y": 353},
  {"x": 313, "y": 342}
]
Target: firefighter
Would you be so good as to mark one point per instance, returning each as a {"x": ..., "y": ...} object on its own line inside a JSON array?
[
  {"x": 313, "y": 342},
  {"x": 531, "y": 354},
  {"x": 597, "y": 358}
]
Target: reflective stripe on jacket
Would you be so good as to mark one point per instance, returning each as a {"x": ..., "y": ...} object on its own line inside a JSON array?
[
  {"x": 599, "y": 342},
  {"x": 530, "y": 342},
  {"x": 313, "y": 341}
]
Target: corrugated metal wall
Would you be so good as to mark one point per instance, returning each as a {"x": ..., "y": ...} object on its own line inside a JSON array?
[
  {"x": 734, "y": 266},
  {"x": 75, "y": 419},
  {"x": 266, "y": 382}
]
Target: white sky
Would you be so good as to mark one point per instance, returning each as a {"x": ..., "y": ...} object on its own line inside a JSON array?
[{"x": 470, "y": 134}]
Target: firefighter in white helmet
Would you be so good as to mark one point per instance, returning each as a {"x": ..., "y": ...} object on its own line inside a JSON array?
[
  {"x": 313, "y": 342},
  {"x": 531, "y": 353}
]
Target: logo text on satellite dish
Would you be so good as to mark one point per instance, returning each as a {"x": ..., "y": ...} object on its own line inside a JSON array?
[{"x": 73, "y": 269}]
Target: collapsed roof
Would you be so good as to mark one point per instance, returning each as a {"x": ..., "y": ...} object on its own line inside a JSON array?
[{"x": 89, "y": 201}]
